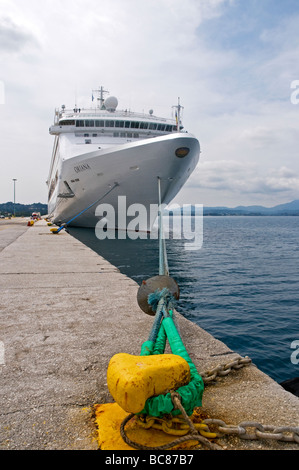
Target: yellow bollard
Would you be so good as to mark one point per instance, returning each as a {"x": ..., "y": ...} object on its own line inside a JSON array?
[{"x": 132, "y": 380}]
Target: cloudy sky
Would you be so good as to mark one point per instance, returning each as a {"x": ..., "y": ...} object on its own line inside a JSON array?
[{"x": 231, "y": 62}]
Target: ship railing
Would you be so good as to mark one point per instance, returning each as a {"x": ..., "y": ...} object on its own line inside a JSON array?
[{"x": 113, "y": 115}]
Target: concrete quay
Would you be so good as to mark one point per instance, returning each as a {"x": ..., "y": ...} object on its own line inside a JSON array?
[
  {"x": 11, "y": 229},
  {"x": 64, "y": 312}
]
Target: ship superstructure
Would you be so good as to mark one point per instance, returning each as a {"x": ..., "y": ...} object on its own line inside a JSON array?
[{"x": 102, "y": 153}]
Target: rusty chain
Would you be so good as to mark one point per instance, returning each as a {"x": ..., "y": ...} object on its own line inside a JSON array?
[
  {"x": 257, "y": 430},
  {"x": 224, "y": 369}
]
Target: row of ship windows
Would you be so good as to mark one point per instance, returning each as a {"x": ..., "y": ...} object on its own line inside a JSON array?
[
  {"x": 121, "y": 124},
  {"x": 128, "y": 135}
]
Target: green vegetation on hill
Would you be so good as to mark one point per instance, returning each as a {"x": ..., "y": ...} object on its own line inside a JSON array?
[
  {"x": 22, "y": 210},
  {"x": 290, "y": 208}
]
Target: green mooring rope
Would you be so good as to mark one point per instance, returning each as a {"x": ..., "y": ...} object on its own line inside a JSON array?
[
  {"x": 162, "y": 302},
  {"x": 191, "y": 394}
]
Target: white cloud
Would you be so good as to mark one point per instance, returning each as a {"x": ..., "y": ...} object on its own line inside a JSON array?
[{"x": 240, "y": 179}]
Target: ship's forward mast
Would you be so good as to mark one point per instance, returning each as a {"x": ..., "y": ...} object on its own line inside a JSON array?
[
  {"x": 178, "y": 115},
  {"x": 100, "y": 92}
]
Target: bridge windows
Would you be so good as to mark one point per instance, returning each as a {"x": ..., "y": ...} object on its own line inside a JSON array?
[{"x": 151, "y": 126}]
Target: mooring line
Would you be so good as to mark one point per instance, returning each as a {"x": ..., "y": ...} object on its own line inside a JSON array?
[
  {"x": 82, "y": 212},
  {"x": 163, "y": 263}
]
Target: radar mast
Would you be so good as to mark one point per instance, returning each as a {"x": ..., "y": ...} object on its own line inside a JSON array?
[{"x": 100, "y": 97}]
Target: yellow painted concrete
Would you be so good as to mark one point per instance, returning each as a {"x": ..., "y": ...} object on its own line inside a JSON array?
[{"x": 109, "y": 418}]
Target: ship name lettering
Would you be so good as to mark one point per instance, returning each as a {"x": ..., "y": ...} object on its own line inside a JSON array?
[{"x": 82, "y": 167}]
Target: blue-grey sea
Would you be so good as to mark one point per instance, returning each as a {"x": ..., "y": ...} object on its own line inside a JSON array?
[{"x": 242, "y": 286}]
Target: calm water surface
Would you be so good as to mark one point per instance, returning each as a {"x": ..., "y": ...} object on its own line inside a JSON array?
[{"x": 242, "y": 286}]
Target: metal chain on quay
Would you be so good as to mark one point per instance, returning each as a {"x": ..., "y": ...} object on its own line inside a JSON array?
[
  {"x": 157, "y": 297},
  {"x": 249, "y": 430}
]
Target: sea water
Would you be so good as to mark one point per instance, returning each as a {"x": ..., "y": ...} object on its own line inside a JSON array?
[{"x": 241, "y": 286}]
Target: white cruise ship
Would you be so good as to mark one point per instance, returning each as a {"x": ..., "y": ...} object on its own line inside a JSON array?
[{"x": 102, "y": 153}]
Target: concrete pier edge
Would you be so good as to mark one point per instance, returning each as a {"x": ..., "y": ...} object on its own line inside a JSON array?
[{"x": 65, "y": 311}]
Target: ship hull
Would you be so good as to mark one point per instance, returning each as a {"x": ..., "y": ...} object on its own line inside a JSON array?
[{"x": 125, "y": 174}]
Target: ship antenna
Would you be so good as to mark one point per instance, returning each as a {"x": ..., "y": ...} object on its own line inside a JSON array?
[
  {"x": 100, "y": 98},
  {"x": 178, "y": 109}
]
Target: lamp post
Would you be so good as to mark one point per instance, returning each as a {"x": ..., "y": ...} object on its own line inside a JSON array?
[{"x": 14, "y": 196}]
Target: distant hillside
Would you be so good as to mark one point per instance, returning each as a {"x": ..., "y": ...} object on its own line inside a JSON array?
[
  {"x": 23, "y": 210},
  {"x": 290, "y": 208}
]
